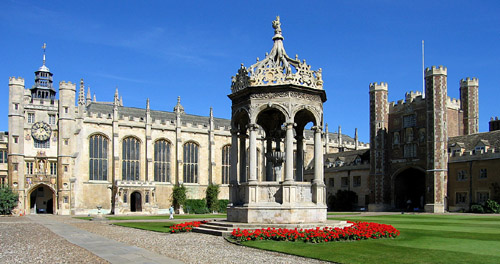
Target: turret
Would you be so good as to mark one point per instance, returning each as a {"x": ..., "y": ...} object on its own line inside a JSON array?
[
  {"x": 469, "y": 100},
  {"x": 437, "y": 137},
  {"x": 379, "y": 123},
  {"x": 16, "y": 135}
]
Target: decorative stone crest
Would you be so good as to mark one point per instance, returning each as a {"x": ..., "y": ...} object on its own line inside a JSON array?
[{"x": 277, "y": 68}]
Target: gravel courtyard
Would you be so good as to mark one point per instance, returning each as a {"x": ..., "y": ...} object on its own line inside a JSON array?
[{"x": 25, "y": 241}]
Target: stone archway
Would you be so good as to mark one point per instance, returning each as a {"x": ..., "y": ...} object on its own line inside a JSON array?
[
  {"x": 409, "y": 185},
  {"x": 136, "y": 202},
  {"x": 42, "y": 200}
]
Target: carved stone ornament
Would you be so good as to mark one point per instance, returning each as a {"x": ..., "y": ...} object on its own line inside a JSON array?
[{"x": 277, "y": 68}]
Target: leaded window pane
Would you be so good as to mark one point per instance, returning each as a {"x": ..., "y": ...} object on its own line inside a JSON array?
[
  {"x": 130, "y": 159},
  {"x": 190, "y": 168},
  {"x": 98, "y": 158}
]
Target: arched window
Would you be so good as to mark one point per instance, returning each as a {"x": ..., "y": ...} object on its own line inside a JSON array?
[
  {"x": 98, "y": 158},
  {"x": 190, "y": 162},
  {"x": 226, "y": 163},
  {"x": 131, "y": 153},
  {"x": 162, "y": 161}
]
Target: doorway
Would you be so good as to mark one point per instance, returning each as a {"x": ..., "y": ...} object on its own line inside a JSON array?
[
  {"x": 409, "y": 190},
  {"x": 136, "y": 202},
  {"x": 42, "y": 200}
]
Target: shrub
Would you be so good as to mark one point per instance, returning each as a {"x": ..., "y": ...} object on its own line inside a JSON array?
[
  {"x": 477, "y": 208},
  {"x": 492, "y": 207},
  {"x": 196, "y": 206},
  {"x": 179, "y": 196},
  {"x": 222, "y": 206},
  {"x": 8, "y": 200},
  {"x": 212, "y": 196}
]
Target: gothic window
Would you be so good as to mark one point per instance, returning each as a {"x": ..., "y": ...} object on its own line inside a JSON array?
[
  {"x": 191, "y": 162},
  {"x": 461, "y": 175},
  {"x": 31, "y": 118},
  {"x": 131, "y": 153},
  {"x": 53, "y": 168},
  {"x": 42, "y": 144},
  {"x": 29, "y": 168},
  {"x": 226, "y": 163},
  {"x": 409, "y": 121},
  {"x": 98, "y": 159},
  {"x": 162, "y": 161},
  {"x": 461, "y": 197},
  {"x": 52, "y": 119},
  {"x": 356, "y": 181},
  {"x": 3, "y": 156},
  {"x": 482, "y": 197},
  {"x": 483, "y": 173}
]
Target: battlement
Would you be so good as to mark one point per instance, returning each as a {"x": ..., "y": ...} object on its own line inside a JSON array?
[
  {"x": 441, "y": 70},
  {"x": 469, "y": 82},
  {"x": 16, "y": 81},
  {"x": 453, "y": 103},
  {"x": 412, "y": 96},
  {"x": 67, "y": 85},
  {"x": 378, "y": 86}
]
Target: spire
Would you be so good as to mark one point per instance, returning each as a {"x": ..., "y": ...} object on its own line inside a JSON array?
[
  {"x": 147, "y": 105},
  {"x": 121, "y": 100},
  {"x": 211, "y": 112},
  {"x": 116, "y": 99},
  {"x": 178, "y": 107},
  {"x": 88, "y": 94},
  {"x": 95, "y": 99},
  {"x": 81, "y": 94}
]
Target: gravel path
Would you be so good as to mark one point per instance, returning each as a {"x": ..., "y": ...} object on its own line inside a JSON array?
[
  {"x": 24, "y": 241},
  {"x": 188, "y": 247}
]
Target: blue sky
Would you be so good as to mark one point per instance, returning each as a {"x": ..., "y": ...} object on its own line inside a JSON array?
[{"x": 161, "y": 49}]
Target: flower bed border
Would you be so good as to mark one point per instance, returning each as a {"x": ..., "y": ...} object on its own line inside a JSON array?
[
  {"x": 186, "y": 226},
  {"x": 357, "y": 231}
]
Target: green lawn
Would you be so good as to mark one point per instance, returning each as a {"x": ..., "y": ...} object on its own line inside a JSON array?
[
  {"x": 163, "y": 227},
  {"x": 154, "y": 217},
  {"x": 83, "y": 217},
  {"x": 423, "y": 239}
]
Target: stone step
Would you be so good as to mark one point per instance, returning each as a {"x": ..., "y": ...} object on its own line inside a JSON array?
[
  {"x": 211, "y": 231},
  {"x": 216, "y": 227}
]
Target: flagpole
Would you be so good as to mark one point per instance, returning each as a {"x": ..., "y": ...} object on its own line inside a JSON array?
[{"x": 423, "y": 71}]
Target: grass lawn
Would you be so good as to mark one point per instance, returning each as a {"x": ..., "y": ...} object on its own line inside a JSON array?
[
  {"x": 423, "y": 239},
  {"x": 83, "y": 217},
  {"x": 163, "y": 227},
  {"x": 153, "y": 217}
]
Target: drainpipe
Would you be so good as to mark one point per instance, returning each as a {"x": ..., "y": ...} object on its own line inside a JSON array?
[{"x": 470, "y": 185}]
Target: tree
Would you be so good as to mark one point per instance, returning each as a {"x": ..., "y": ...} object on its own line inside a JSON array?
[
  {"x": 179, "y": 196},
  {"x": 8, "y": 200},
  {"x": 212, "y": 197}
]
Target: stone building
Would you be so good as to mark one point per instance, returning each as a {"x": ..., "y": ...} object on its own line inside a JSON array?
[
  {"x": 69, "y": 158},
  {"x": 474, "y": 165}
]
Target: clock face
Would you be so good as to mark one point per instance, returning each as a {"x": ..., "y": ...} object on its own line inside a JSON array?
[{"x": 41, "y": 131}]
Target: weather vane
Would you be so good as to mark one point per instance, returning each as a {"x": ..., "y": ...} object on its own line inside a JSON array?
[{"x": 44, "y": 47}]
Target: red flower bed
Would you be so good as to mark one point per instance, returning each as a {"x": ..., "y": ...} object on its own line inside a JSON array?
[
  {"x": 186, "y": 227},
  {"x": 357, "y": 231}
]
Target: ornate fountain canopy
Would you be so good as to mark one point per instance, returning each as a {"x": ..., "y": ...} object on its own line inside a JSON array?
[{"x": 277, "y": 68}]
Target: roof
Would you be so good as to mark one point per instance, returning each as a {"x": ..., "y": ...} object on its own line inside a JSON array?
[{"x": 491, "y": 138}]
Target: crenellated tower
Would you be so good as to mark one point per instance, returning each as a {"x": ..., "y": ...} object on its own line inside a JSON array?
[
  {"x": 437, "y": 138},
  {"x": 379, "y": 123},
  {"x": 469, "y": 99},
  {"x": 16, "y": 137},
  {"x": 66, "y": 140}
]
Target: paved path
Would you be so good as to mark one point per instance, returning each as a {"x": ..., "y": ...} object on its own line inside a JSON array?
[{"x": 110, "y": 250}]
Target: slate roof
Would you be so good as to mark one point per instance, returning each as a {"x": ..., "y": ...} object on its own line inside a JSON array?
[{"x": 470, "y": 141}]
